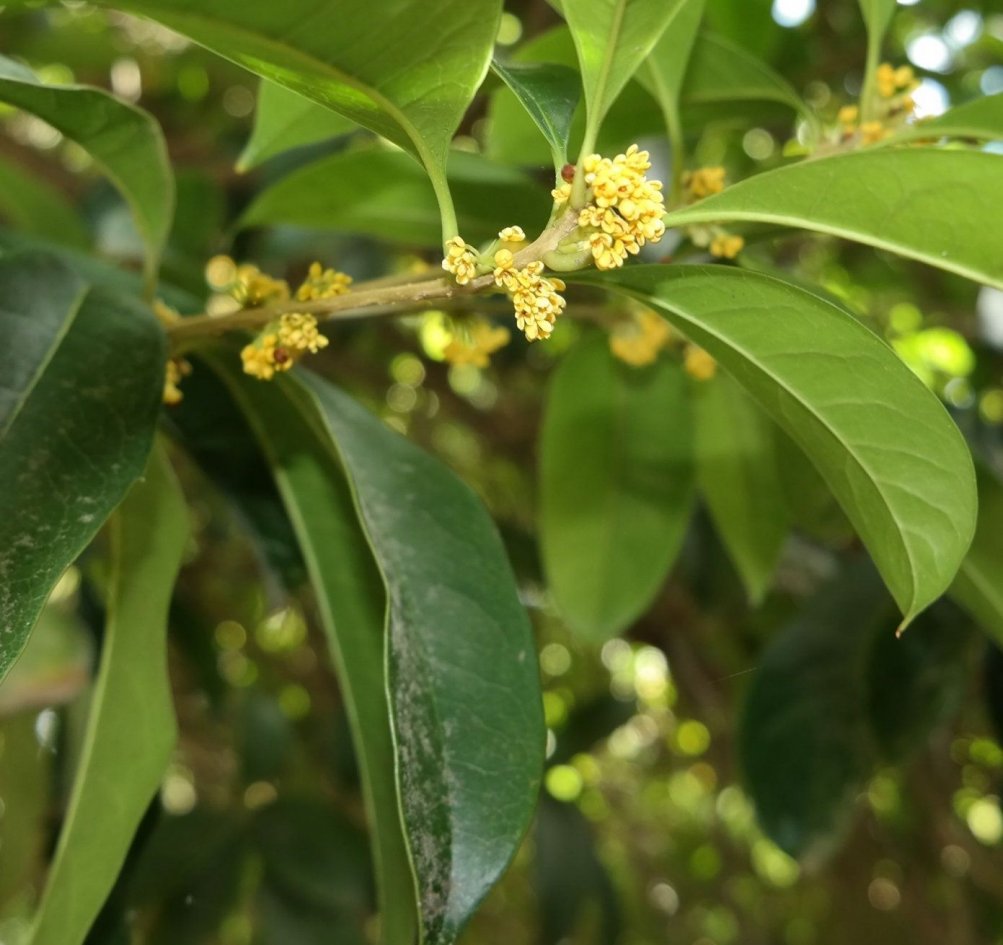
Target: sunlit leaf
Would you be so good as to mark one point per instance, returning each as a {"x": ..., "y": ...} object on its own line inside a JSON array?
[
  {"x": 980, "y": 119},
  {"x": 899, "y": 200},
  {"x": 885, "y": 445},
  {"x": 124, "y": 141},
  {"x": 616, "y": 485},
  {"x": 130, "y": 726},
  {"x": 65, "y": 379}
]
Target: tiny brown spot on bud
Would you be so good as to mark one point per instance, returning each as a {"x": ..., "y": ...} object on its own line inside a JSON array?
[
  {"x": 568, "y": 173},
  {"x": 280, "y": 356}
]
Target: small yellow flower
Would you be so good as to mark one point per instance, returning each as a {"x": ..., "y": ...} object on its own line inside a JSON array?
[
  {"x": 253, "y": 288},
  {"x": 704, "y": 182},
  {"x": 726, "y": 246},
  {"x": 905, "y": 78},
  {"x": 848, "y": 116},
  {"x": 873, "y": 131},
  {"x": 638, "y": 340},
  {"x": 322, "y": 283},
  {"x": 177, "y": 369},
  {"x": 885, "y": 79},
  {"x": 460, "y": 260},
  {"x": 512, "y": 234},
  {"x": 298, "y": 333},
  {"x": 698, "y": 363},
  {"x": 281, "y": 344},
  {"x": 221, "y": 273},
  {"x": 561, "y": 193},
  {"x": 475, "y": 342}
]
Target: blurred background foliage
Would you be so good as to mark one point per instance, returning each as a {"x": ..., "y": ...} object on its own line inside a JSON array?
[{"x": 646, "y": 832}]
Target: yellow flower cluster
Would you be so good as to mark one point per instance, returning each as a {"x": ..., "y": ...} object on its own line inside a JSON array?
[
  {"x": 177, "y": 369},
  {"x": 624, "y": 209},
  {"x": 894, "y": 87},
  {"x": 698, "y": 363},
  {"x": 703, "y": 182},
  {"x": 475, "y": 342},
  {"x": 726, "y": 245},
  {"x": 891, "y": 81},
  {"x": 512, "y": 234},
  {"x": 638, "y": 340},
  {"x": 460, "y": 260},
  {"x": 536, "y": 297},
  {"x": 322, "y": 283},
  {"x": 281, "y": 344}
]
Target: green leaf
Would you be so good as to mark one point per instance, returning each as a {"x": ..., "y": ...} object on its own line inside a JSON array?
[
  {"x": 39, "y": 209},
  {"x": 804, "y": 741},
  {"x": 383, "y": 194},
  {"x": 612, "y": 39},
  {"x": 739, "y": 480},
  {"x": 124, "y": 141},
  {"x": 670, "y": 60},
  {"x": 462, "y": 673},
  {"x": 885, "y": 445},
  {"x": 979, "y": 584},
  {"x": 550, "y": 95},
  {"x": 722, "y": 71},
  {"x": 980, "y": 119},
  {"x": 406, "y": 69},
  {"x": 351, "y": 604},
  {"x": 878, "y": 16},
  {"x": 71, "y": 404},
  {"x": 932, "y": 205},
  {"x": 130, "y": 726},
  {"x": 616, "y": 485},
  {"x": 284, "y": 120}
]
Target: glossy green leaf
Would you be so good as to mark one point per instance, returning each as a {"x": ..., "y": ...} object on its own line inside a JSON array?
[
  {"x": 36, "y": 207},
  {"x": 351, "y": 604},
  {"x": 980, "y": 119},
  {"x": 932, "y": 205},
  {"x": 550, "y": 94},
  {"x": 462, "y": 673},
  {"x": 738, "y": 477},
  {"x": 979, "y": 584},
  {"x": 616, "y": 485},
  {"x": 406, "y": 69},
  {"x": 804, "y": 741},
  {"x": 721, "y": 71},
  {"x": 284, "y": 120},
  {"x": 885, "y": 445},
  {"x": 124, "y": 141},
  {"x": 64, "y": 379},
  {"x": 612, "y": 39},
  {"x": 130, "y": 727},
  {"x": 383, "y": 194},
  {"x": 669, "y": 61}
]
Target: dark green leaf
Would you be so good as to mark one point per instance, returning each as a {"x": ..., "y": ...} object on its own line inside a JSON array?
[
  {"x": 73, "y": 406},
  {"x": 351, "y": 604},
  {"x": 285, "y": 120},
  {"x": 932, "y": 205},
  {"x": 803, "y": 737},
  {"x": 887, "y": 448},
  {"x": 125, "y": 142},
  {"x": 383, "y": 194},
  {"x": 37, "y": 208},
  {"x": 738, "y": 477},
  {"x": 550, "y": 94},
  {"x": 130, "y": 726},
  {"x": 463, "y": 679},
  {"x": 406, "y": 69},
  {"x": 616, "y": 485}
]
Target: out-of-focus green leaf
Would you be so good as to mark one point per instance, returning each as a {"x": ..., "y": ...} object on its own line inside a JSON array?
[
  {"x": 893, "y": 199},
  {"x": 406, "y": 69},
  {"x": 284, "y": 120},
  {"x": 124, "y": 140},
  {"x": 616, "y": 485},
  {"x": 130, "y": 726},
  {"x": 878, "y": 16},
  {"x": 73, "y": 406},
  {"x": 803, "y": 735},
  {"x": 351, "y": 604},
  {"x": 979, "y": 584},
  {"x": 980, "y": 119},
  {"x": 669, "y": 61},
  {"x": 383, "y": 194},
  {"x": 550, "y": 94},
  {"x": 462, "y": 673},
  {"x": 612, "y": 39},
  {"x": 738, "y": 478},
  {"x": 887, "y": 448},
  {"x": 38, "y": 208}
]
